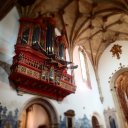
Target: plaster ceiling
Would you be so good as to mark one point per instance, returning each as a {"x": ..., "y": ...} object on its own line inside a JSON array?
[{"x": 93, "y": 24}]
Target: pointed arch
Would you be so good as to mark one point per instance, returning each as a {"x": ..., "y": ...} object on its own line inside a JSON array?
[
  {"x": 46, "y": 106},
  {"x": 96, "y": 120},
  {"x": 84, "y": 66},
  {"x": 119, "y": 92}
]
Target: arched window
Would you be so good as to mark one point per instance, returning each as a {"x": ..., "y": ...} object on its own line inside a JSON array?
[
  {"x": 68, "y": 59},
  {"x": 84, "y": 66}
]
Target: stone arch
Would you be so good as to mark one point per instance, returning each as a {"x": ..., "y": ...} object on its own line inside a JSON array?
[
  {"x": 119, "y": 86},
  {"x": 112, "y": 122},
  {"x": 96, "y": 121},
  {"x": 110, "y": 118},
  {"x": 47, "y": 105}
]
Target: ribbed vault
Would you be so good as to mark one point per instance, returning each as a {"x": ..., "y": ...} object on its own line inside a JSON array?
[{"x": 93, "y": 24}]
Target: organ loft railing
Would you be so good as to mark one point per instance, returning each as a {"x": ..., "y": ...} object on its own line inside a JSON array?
[{"x": 39, "y": 66}]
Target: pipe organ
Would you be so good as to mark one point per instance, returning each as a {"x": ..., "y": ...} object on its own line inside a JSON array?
[{"x": 39, "y": 65}]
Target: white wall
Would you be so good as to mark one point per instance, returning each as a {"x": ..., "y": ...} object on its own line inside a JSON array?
[
  {"x": 109, "y": 68},
  {"x": 87, "y": 99},
  {"x": 84, "y": 101},
  {"x": 9, "y": 28}
]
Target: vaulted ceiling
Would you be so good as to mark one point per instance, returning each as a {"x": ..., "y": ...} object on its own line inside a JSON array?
[{"x": 93, "y": 24}]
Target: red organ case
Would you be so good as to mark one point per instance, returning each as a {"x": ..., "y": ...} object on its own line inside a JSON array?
[{"x": 39, "y": 66}]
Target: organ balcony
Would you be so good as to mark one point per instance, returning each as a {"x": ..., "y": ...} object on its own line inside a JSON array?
[{"x": 41, "y": 69}]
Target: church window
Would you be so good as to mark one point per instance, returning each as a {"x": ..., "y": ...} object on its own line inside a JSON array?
[
  {"x": 83, "y": 65},
  {"x": 68, "y": 59}
]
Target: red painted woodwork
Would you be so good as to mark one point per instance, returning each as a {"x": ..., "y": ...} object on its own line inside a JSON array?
[{"x": 36, "y": 72}]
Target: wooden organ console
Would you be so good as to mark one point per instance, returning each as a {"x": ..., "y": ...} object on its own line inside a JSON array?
[{"x": 39, "y": 66}]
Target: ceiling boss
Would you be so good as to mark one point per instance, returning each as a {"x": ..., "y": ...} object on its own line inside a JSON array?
[{"x": 116, "y": 50}]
